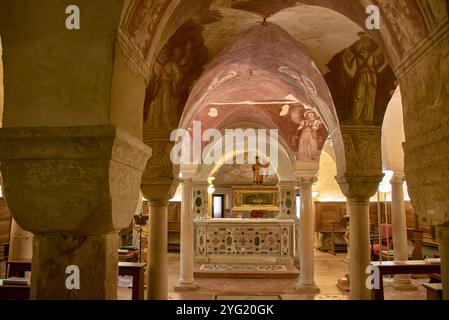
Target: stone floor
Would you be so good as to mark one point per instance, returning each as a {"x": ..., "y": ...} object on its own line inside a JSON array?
[{"x": 328, "y": 269}]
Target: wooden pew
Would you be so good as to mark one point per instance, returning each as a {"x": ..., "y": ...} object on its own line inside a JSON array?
[{"x": 401, "y": 267}]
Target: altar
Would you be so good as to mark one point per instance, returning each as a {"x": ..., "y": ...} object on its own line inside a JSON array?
[{"x": 262, "y": 241}]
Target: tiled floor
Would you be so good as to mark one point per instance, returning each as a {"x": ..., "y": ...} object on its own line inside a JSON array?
[{"x": 328, "y": 269}]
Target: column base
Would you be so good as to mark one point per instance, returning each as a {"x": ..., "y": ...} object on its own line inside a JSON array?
[
  {"x": 403, "y": 284},
  {"x": 307, "y": 288},
  {"x": 186, "y": 286}
]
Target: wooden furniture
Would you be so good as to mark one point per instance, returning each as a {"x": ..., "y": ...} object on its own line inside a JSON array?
[
  {"x": 5, "y": 227},
  {"x": 17, "y": 268},
  {"x": 8, "y": 292},
  {"x": 434, "y": 291},
  {"x": 416, "y": 236},
  {"x": 136, "y": 270},
  {"x": 401, "y": 267},
  {"x": 338, "y": 230},
  {"x": 386, "y": 247}
]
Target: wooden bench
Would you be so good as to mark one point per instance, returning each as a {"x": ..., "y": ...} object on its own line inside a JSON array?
[
  {"x": 134, "y": 269},
  {"x": 434, "y": 291},
  {"x": 402, "y": 267}
]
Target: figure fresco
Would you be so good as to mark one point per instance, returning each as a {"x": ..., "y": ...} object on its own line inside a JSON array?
[
  {"x": 308, "y": 148},
  {"x": 165, "y": 89},
  {"x": 363, "y": 62}
]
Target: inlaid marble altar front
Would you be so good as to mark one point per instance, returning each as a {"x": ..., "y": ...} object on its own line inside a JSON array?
[{"x": 244, "y": 240}]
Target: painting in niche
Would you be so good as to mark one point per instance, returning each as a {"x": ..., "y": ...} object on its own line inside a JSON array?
[{"x": 257, "y": 199}]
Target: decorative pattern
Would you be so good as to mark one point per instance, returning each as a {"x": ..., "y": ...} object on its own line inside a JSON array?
[
  {"x": 244, "y": 267},
  {"x": 244, "y": 239}
]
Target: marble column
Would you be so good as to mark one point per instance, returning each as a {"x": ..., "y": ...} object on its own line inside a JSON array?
[
  {"x": 442, "y": 235},
  {"x": 287, "y": 197},
  {"x": 359, "y": 242},
  {"x": 159, "y": 191},
  {"x": 74, "y": 189},
  {"x": 186, "y": 279},
  {"x": 306, "y": 283},
  {"x": 399, "y": 222}
]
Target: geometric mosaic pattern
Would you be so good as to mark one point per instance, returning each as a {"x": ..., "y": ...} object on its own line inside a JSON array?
[
  {"x": 243, "y": 267},
  {"x": 243, "y": 240}
]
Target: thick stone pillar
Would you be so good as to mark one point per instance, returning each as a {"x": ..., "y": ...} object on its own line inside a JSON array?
[
  {"x": 306, "y": 283},
  {"x": 399, "y": 222},
  {"x": 74, "y": 189},
  {"x": 20, "y": 244},
  {"x": 186, "y": 279},
  {"x": 159, "y": 192},
  {"x": 287, "y": 197},
  {"x": 442, "y": 234}
]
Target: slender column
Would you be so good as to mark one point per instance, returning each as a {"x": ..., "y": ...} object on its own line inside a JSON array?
[
  {"x": 306, "y": 283},
  {"x": 400, "y": 242},
  {"x": 158, "y": 190},
  {"x": 158, "y": 257},
  {"x": 442, "y": 235},
  {"x": 186, "y": 279},
  {"x": 359, "y": 243}
]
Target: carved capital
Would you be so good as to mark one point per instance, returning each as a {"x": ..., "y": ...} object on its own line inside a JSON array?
[
  {"x": 159, "y": 190},
  {"x": 160, "y": 164},
  {"x": 359, "y": 188},
  {"x": 82, "y": 179},
  {"x": 398, "y": 178},
  {"x": 442, "y": 234},
  {"x": 362, "y": 149}
]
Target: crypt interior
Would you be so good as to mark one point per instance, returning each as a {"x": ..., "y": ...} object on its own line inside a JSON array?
[{"x": 351, "y": 174}]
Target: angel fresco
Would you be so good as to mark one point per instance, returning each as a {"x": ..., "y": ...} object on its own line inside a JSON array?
[{"x": 363, "y": 62}]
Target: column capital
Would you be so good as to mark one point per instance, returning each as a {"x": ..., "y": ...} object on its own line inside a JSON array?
[
  {"x": 71, "y": 179},
  {"x": 398, "y": 177},
  {"x": 160, "y": 189},
  {"x": 359, "y": 189},
  {"x": 442, "y": 233},
  {"x": 306, "y": 176}
]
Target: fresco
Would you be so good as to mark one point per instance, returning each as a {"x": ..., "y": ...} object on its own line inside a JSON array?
[
  {"x": 277, "y": 85},
  {"x": 361, "y": 83}
]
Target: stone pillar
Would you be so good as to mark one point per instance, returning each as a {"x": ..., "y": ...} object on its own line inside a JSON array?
[
  {"x": 159, "y": 191},
  {"x": 306, "y": 283},
  {"x": 20, "y": 244},
  {"x": 359, "y": 182},
  {"x": 442, "y": 235},
  {"x": 287, "y": 199},
  {"x": 399, "y": 222},
  {"x": 74, "y": 189},
  {"x": 186, "y": 279}
]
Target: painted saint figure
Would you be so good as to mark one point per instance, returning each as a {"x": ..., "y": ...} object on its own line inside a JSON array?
[
  {"x": 308, "y": 142},
  {"x": 363, "y": 63},
  {"x": 257, "y": 167}
]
